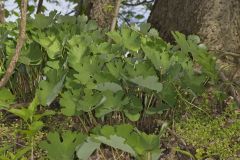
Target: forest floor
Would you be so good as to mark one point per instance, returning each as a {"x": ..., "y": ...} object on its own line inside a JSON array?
[{"x": 194, "y": 135}]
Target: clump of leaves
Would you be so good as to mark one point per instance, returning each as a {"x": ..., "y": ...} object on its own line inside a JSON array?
[
  {"x": 62, "y": 147},
  {"x": 122, "y": 137},
  {"x": 91, "y": 74}
]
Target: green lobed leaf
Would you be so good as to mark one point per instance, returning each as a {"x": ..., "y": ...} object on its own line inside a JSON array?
[
  {"x": 150, "y": 82},
  {"x": 115, "y": 36},
  {"x": 50, "y": 88},
  {"x": 86, "y": 149},
  {"x": 6, "y": 98},
  {"x": 113, "y": 102},
  {"x": 109, "y": 86},
  {"x": 131, "y": 39},
  {"x": 77, "y": 48},
  {"x": 51, "y": 44},
  {"x": 62, "y": 147},
  {"x": 42, "y": 21},
  {"x": 66, "y": 101},
  {"x": 116, "y": 142}
]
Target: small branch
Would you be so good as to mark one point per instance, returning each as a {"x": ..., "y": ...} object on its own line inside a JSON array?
[
  {"x": 138, "y": 3},
  {"x": 39, "y": 7},
  {"x": 125, "y": 20},
  {"x": 116, "y": 12},
  {"x": 20, "y": 43},
  {"x": 67, "y": 14}
]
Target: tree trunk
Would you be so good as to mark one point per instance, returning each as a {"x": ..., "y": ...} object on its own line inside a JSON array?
[
  {"x": 100, "y": 10},
  {"x": 2, "y": 14},
  {"x": 217, "y": 22},
  {"x": 103, "y": 12}
]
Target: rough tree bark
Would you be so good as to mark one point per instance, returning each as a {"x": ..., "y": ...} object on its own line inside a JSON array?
[
  {"x": 217, "y": 22},
  {"x": 100, "y": 10},
  {"x": 103, "y": 12}
]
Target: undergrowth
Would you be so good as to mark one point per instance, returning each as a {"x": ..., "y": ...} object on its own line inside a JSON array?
[{"x": 86, "y": 90}]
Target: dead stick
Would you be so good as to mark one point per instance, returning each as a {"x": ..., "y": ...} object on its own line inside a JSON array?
[{"x": 20, "y": 42}]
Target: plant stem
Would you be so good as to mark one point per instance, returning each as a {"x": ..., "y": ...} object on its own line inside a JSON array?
[
  {"x": 187, "y": 102},
  {"x": 83, "y": 123},
  {"x": 32, "y": 149},
  {"x": 20, "y": 43}
]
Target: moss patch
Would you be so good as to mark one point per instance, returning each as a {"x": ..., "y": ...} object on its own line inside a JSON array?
[{"x": 212, "y": 137}]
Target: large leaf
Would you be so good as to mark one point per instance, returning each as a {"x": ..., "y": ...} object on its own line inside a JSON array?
[
  {"x": 150, "y": 82},
  {"x": 157, "y": 52},
  {"x": 195, "y": 83},
  {"x": 140, "y": 69},
  {"x": 86, "y": 149},
  {"x": 199, "y": 54},
  {"x": 62, "y": 147},
  {"x": 115, "y": 36},
  {"x": 32, "y": 55},
  {"x": 124, "y": 130},
  {"x": 26, "y": 113},
  {"x": 131, "y": 39},
  {"x": 143, "y": 143},
  {"x": 23, "y": 113},
  {"x": 169, "y": 94},
  {"x": 42, "y": 21},
  {"x": 109, "y": 86},
  {"x": 87, "y": 69},
  {"x": 67, "y": 102},
  {"x": 51, "y": 44},
  {"x": 89, "y": 101},
  {"x": 116, "y": 142},
  {"x": 181, "y": 41},
  {"x": 50, "y": 88},
  {"x": 77, "y": 47},
  {"x": 35, "y": 127},
  {"x": 6, "y": 97},
  {"x": 116, "y": 68},
  {"x": 113, "y": 102},
  {"x": 133, "y": 109}
]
